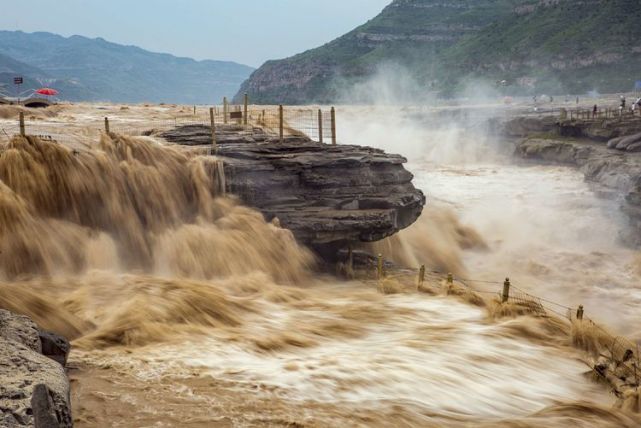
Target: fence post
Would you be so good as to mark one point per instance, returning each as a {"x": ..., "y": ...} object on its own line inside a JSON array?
[
  {"x": 506, "y": 290},
  {"x": 379, "y": 267},
  {"x": 421, "y": 275},
  {"x": 579, "y": 313},
  {"x": 281, "y": 121},
  {"x": 194, "y": 110},
  {"x": 214, "y": 148},
  {"x": 225, "y": 109},
  {"x": 107, "y": 125},
  {"x": 450, "y": 280},
  {"x": 320, "y": 126},
  {"x": 21, "y": 120},
  {"x": 333, "y": 113},
  {"x": 246, "y": 108},
  {"x": 350, "y": 258}
]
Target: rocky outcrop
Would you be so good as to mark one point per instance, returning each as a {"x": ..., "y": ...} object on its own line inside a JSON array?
[
  {"x": 526, "y": 126},
  {"x": 326, "y": 195},
  {"x": 34, "y": 389},
  {"x": 629, "y": 143},
  {"x": 198, "y": 135},
  {"x": 601, "y": 130}
]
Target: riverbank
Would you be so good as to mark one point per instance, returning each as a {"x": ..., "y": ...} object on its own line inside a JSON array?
[{"x": 615, "y": 172}]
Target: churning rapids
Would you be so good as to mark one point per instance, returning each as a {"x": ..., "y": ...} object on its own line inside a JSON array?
[{"x": 188, "y": 309}]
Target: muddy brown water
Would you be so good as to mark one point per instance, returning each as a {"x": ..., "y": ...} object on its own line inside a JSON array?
[{"x": 187, "y": 309}]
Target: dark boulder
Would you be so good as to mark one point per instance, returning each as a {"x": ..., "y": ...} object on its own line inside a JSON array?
[
  {"x": 55, "y": 347},
  {"x": 44, "y": 413}
]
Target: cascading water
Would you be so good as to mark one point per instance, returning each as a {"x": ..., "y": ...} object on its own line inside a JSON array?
[{"x": 186, "y": 308}]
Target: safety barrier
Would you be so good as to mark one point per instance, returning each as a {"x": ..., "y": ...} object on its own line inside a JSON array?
[
  {"x": 600, "y": 114},
  {"x": 622, "y": 353},
  {"x": 318, "y": 124}
]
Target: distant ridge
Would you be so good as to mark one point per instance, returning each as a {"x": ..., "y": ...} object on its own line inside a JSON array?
[
  {"x": 85, "y": 69},
  {"x": 522, "y": 46}
]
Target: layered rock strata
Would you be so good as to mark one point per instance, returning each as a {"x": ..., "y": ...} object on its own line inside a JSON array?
[{"x": 327, "y": 195}]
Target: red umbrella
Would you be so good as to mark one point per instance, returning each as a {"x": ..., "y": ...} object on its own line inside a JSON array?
[{"x": 47, "y": 91}]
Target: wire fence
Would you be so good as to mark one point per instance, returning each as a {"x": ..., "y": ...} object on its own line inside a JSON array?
[
  {"x": 598, "y": 114},
  {"x": 622, "y": 353},
  {"x": 280, "y": 122}
]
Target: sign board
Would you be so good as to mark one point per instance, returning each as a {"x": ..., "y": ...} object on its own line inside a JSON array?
[
  {"x": 17, "y": 80},
  {"x": 236, "y": 115}
]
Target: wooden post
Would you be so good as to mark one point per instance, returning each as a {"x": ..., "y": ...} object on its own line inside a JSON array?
[
  {"x": 194, "y": 110},
  {"x": 579, "y": 313},
  {"x": 379, "y": 267},
  {"x": 281, "y": 121},
  {"x": 246, "y": 109},
  {"x": 21, "y": 120},
  {"x": 450, "y": 280},
  {"x": 333, "y": 113},
  {"x": 506, "y": 290},
  {"x": 212, "y": 124},
  {"x": 107, "y": 125},
  {"x": 320, "y": 126},
  {"x": 350, "y": 258},
  {"x": 421, "y": 275},
  {"x": 225, "y": 110}
]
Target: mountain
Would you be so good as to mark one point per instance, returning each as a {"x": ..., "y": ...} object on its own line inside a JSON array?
[
  {"x": 33, "y": 78},
  {"x": 448, "y": 46},
  {"x": 571, "y": 46},
  {"x": 85, "y": 69}
]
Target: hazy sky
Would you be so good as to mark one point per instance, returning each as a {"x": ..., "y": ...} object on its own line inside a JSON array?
[{"x": 246, "y": 31}]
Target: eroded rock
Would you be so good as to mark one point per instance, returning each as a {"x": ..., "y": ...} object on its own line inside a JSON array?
[
  {"x": 327, "y": 195},
  {"x": 22, "y": 369}
]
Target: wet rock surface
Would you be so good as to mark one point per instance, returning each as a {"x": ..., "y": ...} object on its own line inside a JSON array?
[
  {"x": 327, "y": 195},
  {"x": 54, "y": 346},
  {"x": 33, "y": 387}
]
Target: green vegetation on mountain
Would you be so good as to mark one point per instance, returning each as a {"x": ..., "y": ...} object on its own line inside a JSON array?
[
  {"x": 447, "y": 46},
  {"x": 96, "y": 70}
]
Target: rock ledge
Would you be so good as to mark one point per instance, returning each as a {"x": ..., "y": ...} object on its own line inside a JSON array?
[{"x": 326, "y": 195}]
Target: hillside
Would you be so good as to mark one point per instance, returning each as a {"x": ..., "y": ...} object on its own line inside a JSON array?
[
  {"x": 569, "y": 46},
  {"x": 97, "y": 70}
]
